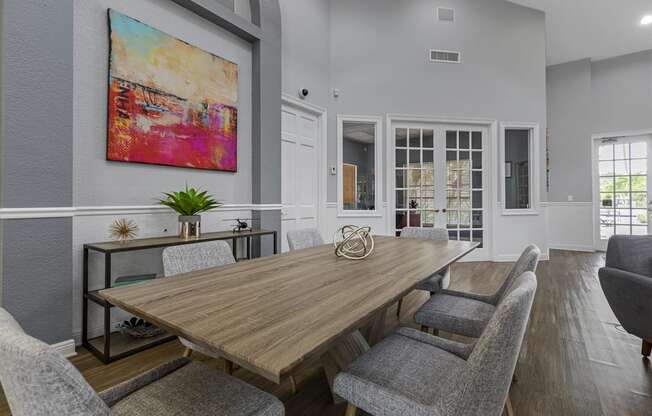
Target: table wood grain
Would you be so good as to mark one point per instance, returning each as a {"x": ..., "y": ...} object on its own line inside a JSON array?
[{"x": 271, "y": 314}]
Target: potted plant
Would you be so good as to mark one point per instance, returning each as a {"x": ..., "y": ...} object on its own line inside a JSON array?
[{"x": 189, "y": 204}]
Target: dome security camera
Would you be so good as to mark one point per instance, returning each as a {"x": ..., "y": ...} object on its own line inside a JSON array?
[{"x": 303, "y": 92}]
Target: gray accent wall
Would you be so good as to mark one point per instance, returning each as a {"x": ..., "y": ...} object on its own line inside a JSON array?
[
  {"x": 37, "y": 82},
  {"x": 587, "y": 98},
  {"x": 569, "y": 128},
  {"x": 37, "y": 264},
  {"x": 37, "y": 88},
  {"x": 379, "y": 62}
]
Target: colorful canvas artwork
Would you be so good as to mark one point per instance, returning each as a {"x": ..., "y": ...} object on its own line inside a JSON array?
[{"x": 170, "y": 103}]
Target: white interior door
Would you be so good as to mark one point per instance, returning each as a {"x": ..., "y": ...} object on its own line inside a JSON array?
[
  {"x": 441, "y": 180},
  {"x": 622, "y": 203},
  {"x": 300, "y": 145}
]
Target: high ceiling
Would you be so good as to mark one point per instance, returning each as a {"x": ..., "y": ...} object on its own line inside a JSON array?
[{"x": 596, "y": 29}]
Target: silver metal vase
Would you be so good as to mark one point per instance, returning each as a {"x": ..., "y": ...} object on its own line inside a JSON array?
[{"x": 189, "y": 226}]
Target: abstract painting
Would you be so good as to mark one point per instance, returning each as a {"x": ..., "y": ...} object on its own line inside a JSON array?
[{"x": 170, "y": 103}]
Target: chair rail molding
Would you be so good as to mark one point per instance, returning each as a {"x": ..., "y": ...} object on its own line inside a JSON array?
[{"x": 63, "y": 212}]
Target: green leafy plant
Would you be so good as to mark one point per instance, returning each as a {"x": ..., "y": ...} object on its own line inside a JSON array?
[{"x": 192, "y": 201}]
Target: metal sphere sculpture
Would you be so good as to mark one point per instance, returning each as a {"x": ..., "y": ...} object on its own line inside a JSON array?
[{"x": 353, "y": 243}]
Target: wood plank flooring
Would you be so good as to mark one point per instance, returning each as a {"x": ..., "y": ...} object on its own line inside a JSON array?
[{"x": 575, "y": 361}]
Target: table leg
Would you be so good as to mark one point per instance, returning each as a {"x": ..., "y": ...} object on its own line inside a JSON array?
[
  {"x": 350, "y": 348},
  {"x": 377, "y": 328},
  {"x": 235, "y": 248},
  {"x": 248, "y": 247},
  {"x": 341, "y": 355}
]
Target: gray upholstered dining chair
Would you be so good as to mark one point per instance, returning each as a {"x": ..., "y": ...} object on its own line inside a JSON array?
[
  {"x": 304, "y": 238},
  {"x": 411, "y": 373},
  {"x": 192, "y": 257},
  {"x": 626, "y": 281},
  {"x": 39, "y": 381},
  {"x": 467, "y": 313},
  {"x": 439, "y": 280}
]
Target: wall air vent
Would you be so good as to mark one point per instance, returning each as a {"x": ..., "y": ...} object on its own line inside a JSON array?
[
  {"x": 445, "y": 14},
  {"x": 448, "y": 57}
]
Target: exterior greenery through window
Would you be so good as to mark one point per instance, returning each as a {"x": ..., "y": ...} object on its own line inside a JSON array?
[{"x": 623, "y": 189}]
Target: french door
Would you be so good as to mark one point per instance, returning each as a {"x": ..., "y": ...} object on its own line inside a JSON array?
[
  {"x": 441, "y": 180},
  {"x": 622, "y": 202}
]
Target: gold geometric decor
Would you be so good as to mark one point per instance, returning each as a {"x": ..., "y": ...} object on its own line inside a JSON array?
[{"x": 353, "y": 242}]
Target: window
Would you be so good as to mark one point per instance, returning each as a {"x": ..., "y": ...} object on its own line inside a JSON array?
[
  {"x": 622, "y": 166},
  {"x": 359, "y": 156},
  {"x": 519, "y": 144}
]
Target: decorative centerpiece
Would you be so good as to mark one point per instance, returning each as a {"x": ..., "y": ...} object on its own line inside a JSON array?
[
  {"x": 138, "y": 328},
  {"x": 353, "y": 243},
  {"x": 189, "y": 204},
  {"x": 123, "y": 230}
]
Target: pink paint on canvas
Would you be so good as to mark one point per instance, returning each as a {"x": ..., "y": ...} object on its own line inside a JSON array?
[{"x": 169, "y": 102}]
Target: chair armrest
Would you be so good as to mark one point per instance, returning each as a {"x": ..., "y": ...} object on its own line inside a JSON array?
[
  {"x": 630, "y": 297},
  {"x": 113, "y": 395},
  {"x": 482, "y": 298},
  {"x": 457, "y": 348}
]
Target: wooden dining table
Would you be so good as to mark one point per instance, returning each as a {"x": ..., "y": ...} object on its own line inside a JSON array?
[{"x": 272, "y": 315}]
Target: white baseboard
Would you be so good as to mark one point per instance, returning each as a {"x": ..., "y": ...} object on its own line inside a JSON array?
[
  {"x": 65, "y": 348},
  {"x": 572, "y": 247}
]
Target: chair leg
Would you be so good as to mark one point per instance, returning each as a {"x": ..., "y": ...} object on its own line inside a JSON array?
[
  {"x": 425, "y": 329},
  {"x": 646, "y": 350},
  {"x": 398, "y": 308},
  {"x": 228, "y": 367},
  {"x": 187, "y": 353},
  {"x": 435, "y": 332},
  {"x": 293, "y": 385},
  {"x": 351, "y": 410},
  {"x": 509, "y": 410}
]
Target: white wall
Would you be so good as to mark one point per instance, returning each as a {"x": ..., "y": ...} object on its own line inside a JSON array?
[
  {"x": 306, "y": 28},
  {"x": 379, "y": 63},
  {"x": 622, "y": 93},
  {"x": 127, "y": 189},
  {"x": 587, "y": 98}
]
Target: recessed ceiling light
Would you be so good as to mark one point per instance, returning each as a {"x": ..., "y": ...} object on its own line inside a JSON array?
[{"x": 647, "y": 20}]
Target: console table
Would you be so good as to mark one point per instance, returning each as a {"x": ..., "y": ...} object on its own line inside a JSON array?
[{"x": 101, "y": 346}]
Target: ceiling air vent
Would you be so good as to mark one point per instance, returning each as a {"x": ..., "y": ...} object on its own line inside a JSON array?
[
  {"x": 449, "y": 57},
  {"x": 445, "y": 14}
]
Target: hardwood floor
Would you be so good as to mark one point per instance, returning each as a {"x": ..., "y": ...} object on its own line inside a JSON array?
[{"x": 574, "y": 361}]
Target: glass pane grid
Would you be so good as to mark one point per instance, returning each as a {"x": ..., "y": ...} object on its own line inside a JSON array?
[{"x": 623, "y": 189}]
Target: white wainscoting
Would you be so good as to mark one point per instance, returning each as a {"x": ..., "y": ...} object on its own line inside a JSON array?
[
  {"x": 332, "y": 221},
  {"x": 570, "y": 226},
  {"x": 512, "y": 233}
]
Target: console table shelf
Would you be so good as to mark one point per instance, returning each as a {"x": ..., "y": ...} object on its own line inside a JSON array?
[{"x": 113, "y": 346}]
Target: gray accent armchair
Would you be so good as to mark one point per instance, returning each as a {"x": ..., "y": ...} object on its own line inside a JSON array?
[
  {"x": 465, "y": 313},
  {"x": 439, "y": 280},
  {"x": 626, "y": 281},
  {"x": 192, "y": 257},
  {"x": 417, "y": 374},
  {"x": 39, "y": 381},
  {"x": 304, "y": 238}
]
